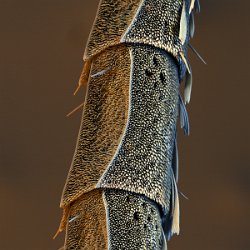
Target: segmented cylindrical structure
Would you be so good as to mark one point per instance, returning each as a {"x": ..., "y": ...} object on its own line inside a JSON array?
[{"x": 121, "y": 191}]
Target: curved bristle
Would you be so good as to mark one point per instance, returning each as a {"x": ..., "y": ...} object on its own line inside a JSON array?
[
  {"x": 184, "y": 118},
  {"x": 185, "y": 61},
  {"x": 192, "y": 25},
  {"x": 197, "y": 6},
  {"x": 188, "y": 88},
  {"x": 183, "y": 24},
  {"x": 191, "y": 6},
  {"x": 175, "y": 229}
]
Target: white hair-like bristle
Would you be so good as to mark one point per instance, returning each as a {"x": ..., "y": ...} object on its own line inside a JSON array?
[
  {"x": 185, "y": 62},
  {"x": 183, "y": 24},
  {"x": 197, "y": 53},
  {"x": 74, "y": 218},
  {"x": 188, "y": 88},
  {"x": 100, "y": 73},
  {"x": 164, "y": 245},
  {"x": 176, "y": 211},
  {"x": 192, "y": 25},
  {"x": 191, "y": 6}
]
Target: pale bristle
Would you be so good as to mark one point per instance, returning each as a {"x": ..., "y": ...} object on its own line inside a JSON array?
[
  {"x": 192, "y": 25},
  {"x": 183, "y": 25},
  {"x": 100, "y": 73},
  {"x": 197, "y": 6},
  {"x": 164, "y": 245},
  {"x": 185, "y": 62},
  {"x": 197, "y": 53},
  {"x": 188, "y": 88},
  {"x": 176, "y": 213},
  {"x": 191, "y": 6},
  {"x": 176, "y": 160}
]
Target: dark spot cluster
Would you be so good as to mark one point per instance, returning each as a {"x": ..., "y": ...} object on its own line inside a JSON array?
[
  {"x": 144, "y": 160},
  {"x": 134, "y": 221}
]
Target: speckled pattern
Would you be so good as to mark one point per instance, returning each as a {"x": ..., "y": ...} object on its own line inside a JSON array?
[
  {"x": 87, "y": 226},
  {"x": 152, "y": 22},
  {"x": 157, "y": 23},
  {"x": 112, "y": 20},
  {"x": 104, "y": 121},
  {"x": 133, "y": 222},
  {"x": 127, "y": 141},
  {"x": 144, "y": 161}
]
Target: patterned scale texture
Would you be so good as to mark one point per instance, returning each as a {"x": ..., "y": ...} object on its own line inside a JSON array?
[
  {"x": 157, "y": 23},
  {"x": 104, "y": 122},
  {"x": 112, "y": 20},
  {"x": 133, "y": 222},
  {"x": 144, "y": 160},
  {"x": 87, "y": 227}
]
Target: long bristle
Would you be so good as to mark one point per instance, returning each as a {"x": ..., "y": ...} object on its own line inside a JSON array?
[
  {"x": 197, "y": 6},
  {"x": 176, "y": 212},
  {"x": 192, "y": 25},
  {"x": 183, "y": 24},
  {"x": 184, "y": 117},
  {"x": 185, "y": 61},
  {"x": 191, "y": 6},
  {"x": 175, "y": 160},
  {"x": 188, "y": 88},
  {"x": 164, "y": 245},
  {"x": 75, "y": 109},
  {"x": 197, "y": 53}
]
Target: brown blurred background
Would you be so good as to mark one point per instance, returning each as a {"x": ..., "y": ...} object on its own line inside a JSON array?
[{"x": 42, "y": 44}]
